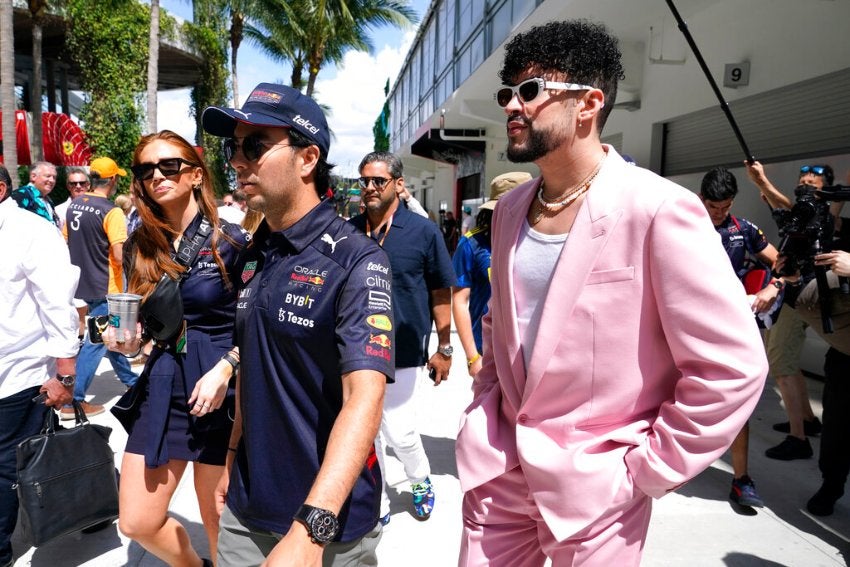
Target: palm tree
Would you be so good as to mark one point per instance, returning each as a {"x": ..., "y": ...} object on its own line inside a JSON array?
[
  {"x": 276, "y": 39},
  {"x": 242, "y": 14},
  {"x": 7, "y": 88},
  {"x": 37, "y": 9},
  {"x": 314, "y": 33},
  {"x": 153, "y": 65},
  {"x": 337, "y": 26}
]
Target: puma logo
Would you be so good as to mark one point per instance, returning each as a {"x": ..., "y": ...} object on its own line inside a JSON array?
[{"x": 329, "y": 239}]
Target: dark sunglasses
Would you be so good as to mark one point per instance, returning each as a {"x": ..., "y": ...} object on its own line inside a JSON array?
[
  {"x": 78, "y": 183},
  {"x": 378, "y": 182},
  {"x": 167, "y": 167},
  {"x": 253, "y": 147},
  {"x": 530, "y": 89},
  {"x": 816, "y": 169}
]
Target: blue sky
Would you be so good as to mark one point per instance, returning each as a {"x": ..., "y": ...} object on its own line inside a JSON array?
[{"x": 354, "y": 91}]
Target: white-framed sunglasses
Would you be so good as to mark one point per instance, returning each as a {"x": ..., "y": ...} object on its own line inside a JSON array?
[{"x": 530, "y": 89}]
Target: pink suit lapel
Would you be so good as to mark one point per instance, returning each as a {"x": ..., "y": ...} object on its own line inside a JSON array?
[{"x": 588, "y": 235}]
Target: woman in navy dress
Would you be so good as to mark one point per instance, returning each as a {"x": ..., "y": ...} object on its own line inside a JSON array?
[{"x": 186, "y": 409}]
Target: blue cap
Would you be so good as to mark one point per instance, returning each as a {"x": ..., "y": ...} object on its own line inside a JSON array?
[{"x": 275, "y": 106}]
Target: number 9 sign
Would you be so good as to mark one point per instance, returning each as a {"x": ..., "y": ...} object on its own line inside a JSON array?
[{"x": 736, "y": 75}]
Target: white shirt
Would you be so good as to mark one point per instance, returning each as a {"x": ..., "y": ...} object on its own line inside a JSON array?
[
  {"x": 38, "y": 321},
  {"x": 62, "y": 210},
  {"x": 534, "y": 263},
  {"x": 231, "y": 214}
]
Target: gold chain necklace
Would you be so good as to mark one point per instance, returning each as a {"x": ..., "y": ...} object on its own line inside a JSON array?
[{"x": 568, "y": 198}]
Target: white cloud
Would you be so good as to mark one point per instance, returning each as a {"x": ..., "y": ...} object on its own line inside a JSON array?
[
  {"x": 355, "y": 97},
  {"x": 354, "y": 92},
  {"x": 174, "y": 110}
]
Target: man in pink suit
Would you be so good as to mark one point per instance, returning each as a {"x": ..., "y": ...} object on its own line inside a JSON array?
[{"x": 620, "y": 353}]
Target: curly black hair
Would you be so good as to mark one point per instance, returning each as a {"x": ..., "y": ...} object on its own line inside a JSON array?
[{"x": 584, "y": 51}]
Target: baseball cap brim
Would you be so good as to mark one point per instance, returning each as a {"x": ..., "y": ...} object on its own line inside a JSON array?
[{"x": 222, "y": 122}]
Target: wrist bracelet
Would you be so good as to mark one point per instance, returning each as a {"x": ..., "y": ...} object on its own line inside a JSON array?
[
  {"x": 473, "y": 360},
  {"x": 231, "y": 360}
]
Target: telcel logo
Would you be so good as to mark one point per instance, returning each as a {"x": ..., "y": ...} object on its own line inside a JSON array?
[{"x": 306, "y": 124}]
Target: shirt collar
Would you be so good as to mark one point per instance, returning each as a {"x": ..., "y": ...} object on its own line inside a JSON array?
[{"x": 304, "y": 232}]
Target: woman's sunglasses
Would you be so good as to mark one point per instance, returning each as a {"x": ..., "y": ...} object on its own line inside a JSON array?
[
  {"x": 252, "y": 146},
  {"x": 816, "y": 169},
  {"x": 530, "y": 89},
  {"x": 167, "y": 167}
]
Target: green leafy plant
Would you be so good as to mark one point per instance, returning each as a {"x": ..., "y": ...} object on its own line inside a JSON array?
[{"x": 109, "y": 41}]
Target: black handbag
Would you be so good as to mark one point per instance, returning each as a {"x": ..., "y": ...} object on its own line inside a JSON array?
[
  {"x": 66, "y": 479},
  {"x": 162, "y": 312}
]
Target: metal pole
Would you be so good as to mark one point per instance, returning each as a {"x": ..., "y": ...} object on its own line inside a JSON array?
[{"x": 683, "y": 27}]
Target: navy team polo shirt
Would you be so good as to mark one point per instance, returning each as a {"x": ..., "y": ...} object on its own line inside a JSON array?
[
  {"x": 739, "y": 236},
  {"x": 420, "y": 263},
  {"x": 312, "y": 306}
]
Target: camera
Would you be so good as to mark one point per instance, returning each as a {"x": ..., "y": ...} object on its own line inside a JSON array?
[{"x": 806, "y": 230}]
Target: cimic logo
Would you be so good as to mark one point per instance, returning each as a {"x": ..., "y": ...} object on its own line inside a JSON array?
[{"x": 379, "y": 282}]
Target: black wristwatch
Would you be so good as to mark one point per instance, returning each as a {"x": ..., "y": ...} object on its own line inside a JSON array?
[
  {"x": 322, "y": 525},
  {"x": 778, "y": 284},
  {"x": 67, "y": 380}
]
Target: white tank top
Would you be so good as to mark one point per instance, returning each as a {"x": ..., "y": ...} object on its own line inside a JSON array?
[{"x": 534, "y": 264}]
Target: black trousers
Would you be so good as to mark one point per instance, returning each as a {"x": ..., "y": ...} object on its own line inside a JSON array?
[
  {"x": 19, "y": 418},
  {"x": 834, "y": 459}
]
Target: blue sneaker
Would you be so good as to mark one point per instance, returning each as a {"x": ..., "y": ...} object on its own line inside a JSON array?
[
  {"x": 423, "y": 498},
  {"x": 744, "y": 492},
  {"x": 384, "y": 519}
]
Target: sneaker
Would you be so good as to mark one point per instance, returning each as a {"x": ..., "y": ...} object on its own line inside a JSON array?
[
  {"x": 384, "y": 519},
  {"x": 823, "y": 502},
  {"x": 791, "y": 448},
  {"x": 67, "y": 412},
  {"x": 744, "y": 492},
  {"x": 423, "y": 498},
  {"x": 810, "y": 428}
]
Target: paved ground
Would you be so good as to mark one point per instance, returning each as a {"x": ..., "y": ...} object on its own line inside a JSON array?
[{"x": 697, "y": 526}]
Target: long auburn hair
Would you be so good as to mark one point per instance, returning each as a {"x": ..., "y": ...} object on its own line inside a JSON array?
[{"x": 151, "y": 243}]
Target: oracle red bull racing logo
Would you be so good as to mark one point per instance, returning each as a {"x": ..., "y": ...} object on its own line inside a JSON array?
[{"x": 303, "y": 276}]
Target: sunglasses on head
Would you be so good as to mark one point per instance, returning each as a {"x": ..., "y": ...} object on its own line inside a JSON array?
[
  {"x": 167, "y": 167},
  {"x": 815, "y": 169},
  {"x": 253, "y": 147},
  {"x": 530, "y": 89},
  {"x": 378, "y": 182}
]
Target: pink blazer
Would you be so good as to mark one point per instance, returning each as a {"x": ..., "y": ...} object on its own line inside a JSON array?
[{"x": 646, "y": 364}]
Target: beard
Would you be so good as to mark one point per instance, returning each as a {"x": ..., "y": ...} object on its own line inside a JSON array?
[{"x": 538, "y": 144}]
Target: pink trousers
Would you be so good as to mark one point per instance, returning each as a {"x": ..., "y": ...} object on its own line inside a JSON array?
[{"x": 502, "y": 527}]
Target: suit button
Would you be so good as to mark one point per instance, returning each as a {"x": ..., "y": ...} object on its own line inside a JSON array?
[{"x": 522, "y": 418}]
